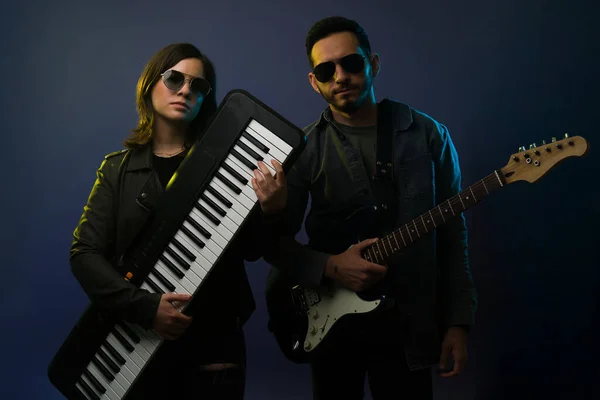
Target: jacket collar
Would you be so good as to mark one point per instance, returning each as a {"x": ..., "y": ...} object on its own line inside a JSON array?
[
  {"x": 403, "y": 118},
  {"x": 141, "y": 158}
]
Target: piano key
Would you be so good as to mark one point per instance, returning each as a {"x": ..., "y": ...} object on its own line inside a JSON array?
[
  {"x": 246, "y": 190},
  {"x": 273, "y": 154},
  {"x": 181, "y": 248},
  {"x": 204, "y": 197},
  {"x": 255, "y": 142},
  {"x": 87, "y": 389},
  {"x": 211, "y": 190},
  {"x": 221, "y": 235},
  {"x": 181, "y": 285},
  {"x": 112, "y": 389},
  {"x": 208, "y": 257},
  {"x": 130, "y": 334},
  {"x": 171, "y": 265},
  {"x": 212, "y": 248},
  {"x": 197, "y": 227},
  {"x": 239, "y": 167},
  {"x": 224, "y": 219},
  {"x": 108, "y": 375},
  {"x": 122, "y": 340},
  {"x": 239, "y": 177},
  {"x": 192, "y": 236},
  {"x": 150, "y": 345},
  {"x": 256, "y": 156},
  {"x": 180, "y": 259},
  {"x": 114, "y": 353},
  {"x": 259, "y": 131},
  {"x": 94, "y": 382},
  {"x": 125, "y": 377},
  {"x": 227, "y": 182},
  {"x": 132, "y": 361},
  {"x": 192, "y": 275},
  {"x": 167, "y": 284},
  {"x": 204, "y": 211},
  {"x": 112, "y": 366},
  {"x": 267, "y": 158},
  {"x": 246, "y": 202},
  {"x": 246, "y": 161},
  {"x": 82, "y": 391},
  {"x": 153, "y": 285},
  {"x": 232, "y": 214},
  {"x": 149, "y": 335}
]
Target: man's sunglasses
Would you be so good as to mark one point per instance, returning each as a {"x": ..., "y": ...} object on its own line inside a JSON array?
[
  {"x": 174, "y": 80},
  {"x": 352, "y": 63}
]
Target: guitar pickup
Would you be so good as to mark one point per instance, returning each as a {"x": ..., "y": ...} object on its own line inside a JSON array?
[{"x": 299, "y": 300}]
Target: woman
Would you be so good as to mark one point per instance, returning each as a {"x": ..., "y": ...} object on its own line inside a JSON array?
[{"x": 203, "y": 355}]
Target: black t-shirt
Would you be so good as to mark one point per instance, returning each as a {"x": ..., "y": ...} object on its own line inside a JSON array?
[{"x": 165, "y": 167}]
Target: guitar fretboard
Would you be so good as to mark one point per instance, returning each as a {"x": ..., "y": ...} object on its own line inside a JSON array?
[{"x": 419, "y": 227}]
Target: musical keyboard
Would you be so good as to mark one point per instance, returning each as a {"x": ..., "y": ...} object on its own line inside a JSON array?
[{"x": 203, "y": 208}]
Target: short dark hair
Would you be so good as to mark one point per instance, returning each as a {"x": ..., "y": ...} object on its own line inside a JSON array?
[
  {"x": 327, "y": 26},
  {"x": 161, "y": 61}
]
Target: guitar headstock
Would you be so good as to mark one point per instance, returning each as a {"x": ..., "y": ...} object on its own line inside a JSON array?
[{"x": 533, "y": 163}]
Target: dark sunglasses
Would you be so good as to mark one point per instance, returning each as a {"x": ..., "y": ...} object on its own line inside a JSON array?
[
  {"x": 352, "y": 63},
  {"x": 174, "y": 80}
]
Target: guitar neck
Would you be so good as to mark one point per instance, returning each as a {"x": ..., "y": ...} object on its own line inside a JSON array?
[{"x": 390, "y": 245}]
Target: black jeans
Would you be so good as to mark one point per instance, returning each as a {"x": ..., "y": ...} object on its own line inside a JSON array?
[{"x": 373, "y": 349}]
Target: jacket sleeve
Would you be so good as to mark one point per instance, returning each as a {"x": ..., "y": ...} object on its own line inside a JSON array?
[
  {"x": 298, "y": 261},
  {"x": 92, "y": 250},
  {"x": 458, "y": 294}
]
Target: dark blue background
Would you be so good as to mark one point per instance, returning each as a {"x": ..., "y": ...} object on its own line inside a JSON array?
[{"x": 499, "y": 73}]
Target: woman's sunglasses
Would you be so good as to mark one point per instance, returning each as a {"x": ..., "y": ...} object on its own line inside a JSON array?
[
  {"x": 174, "y": 80},
  {"x": 352, "y": 63}
]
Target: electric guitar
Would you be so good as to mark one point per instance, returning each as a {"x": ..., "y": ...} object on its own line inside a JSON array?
[{"x": 302, "y": 318}]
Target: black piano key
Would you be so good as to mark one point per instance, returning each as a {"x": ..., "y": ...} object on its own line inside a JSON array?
[
  {"x": 208, "y": 214},
  {"x": 183, "y": 249},
  {"x": 255, "y": 142},
  {"x": 228, "y": 183},
  {"x": 128, "y": 346},
  {"x": 154, "y": 286},
  {"x": 172, "y": 267},
  {"x": 132, "y": 335},
  {"x": 198, "y": 227},
  {"x": 219, "y": 197},
  {"x": 113, "y": 352},
  {"x": 170, "y": 287},
  {"x": 88, "y": 390},
  {"x": 244, "y": 160},
  {"x": 235, "y": 174},
  {"x": 213, "y": 205},
  {"x": 95, "y": 383},
  {"x": 191, "y": 235},
  {"x": 184, "y": 264},
  {"x": 250, "y": 152},
  {"x": 108, "y": 361},
  {"x": 103, "y": 370}
]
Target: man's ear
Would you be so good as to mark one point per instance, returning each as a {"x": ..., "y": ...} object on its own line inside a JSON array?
[
  {"x": 375, "y": 64},
  {"x": 313, "y": 82}
]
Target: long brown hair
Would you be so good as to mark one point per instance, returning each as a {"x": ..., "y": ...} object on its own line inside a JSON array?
[{"x": 160, "y": 62}]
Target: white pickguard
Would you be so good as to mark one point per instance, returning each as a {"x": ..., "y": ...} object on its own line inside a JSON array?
[{"x": 335, "y": 302}]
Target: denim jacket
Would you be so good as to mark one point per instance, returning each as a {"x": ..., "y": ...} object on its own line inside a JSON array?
[{"x": 431, "y": 279}]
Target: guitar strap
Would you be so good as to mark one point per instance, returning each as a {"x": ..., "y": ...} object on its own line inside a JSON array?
[{"x": 384, "y": 187}]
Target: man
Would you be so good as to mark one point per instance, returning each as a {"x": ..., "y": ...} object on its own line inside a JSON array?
[{"x": 431, "y": 295}]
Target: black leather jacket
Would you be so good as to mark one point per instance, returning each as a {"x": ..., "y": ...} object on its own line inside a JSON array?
[{"x": 125, "y": 191}]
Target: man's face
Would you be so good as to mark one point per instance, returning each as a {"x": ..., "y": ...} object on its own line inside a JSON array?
[{"x": 345, "y": 90}]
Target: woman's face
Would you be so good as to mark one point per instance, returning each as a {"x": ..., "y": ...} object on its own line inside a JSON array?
[{"x": 178, "y": 104}]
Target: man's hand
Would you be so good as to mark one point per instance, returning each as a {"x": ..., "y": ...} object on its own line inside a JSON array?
[
  {"x": 352, "y": 271},
  {"x": 169, "y": 323},
  {"x": 270, "y": 190},
  {"x": 455, "y": 343}
]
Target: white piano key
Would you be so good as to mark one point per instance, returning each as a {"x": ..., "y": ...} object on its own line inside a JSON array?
[
  {"x": 225, "y": 220},
  {"x": 261, "y": 132},
  {"x": 211, "y": 249},
  {"x": 203, "y": 262},
  {"x": 124, "y": 372},
  {"x": 219, "y": 233},
  {"x": 82, "y": 391},
  {"x": 194, "y": 274},
  {"x": 182, "y": 285},
  {"x": 113, "y": 393},
  {"x": 248, "y": 191},
  {"x": 267, "y": 158},
  {"x": 237, "y": 218},
  {"x": 230, "y": 194},
  {"x": 150, "y": 335},
  {"x": 132, "y": 360},
  {"x": 139, "y": 350},
  {"x": 89, "y": 383}
]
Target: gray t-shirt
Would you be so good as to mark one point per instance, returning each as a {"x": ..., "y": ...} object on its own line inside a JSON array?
[{"x": 363, "y": 138}]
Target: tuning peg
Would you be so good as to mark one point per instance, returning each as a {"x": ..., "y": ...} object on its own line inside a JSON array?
[
  {"x": 532, "y": 146},
  {"x": 553, "y": 139},
  {"x": 522, "y": 148},
  {"x": 543, "y": 142},
  {"x": 566, "y": 135}
]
